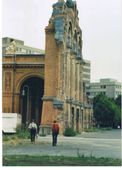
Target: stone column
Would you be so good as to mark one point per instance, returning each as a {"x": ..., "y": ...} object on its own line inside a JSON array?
[{"x": 49, "y": 113}]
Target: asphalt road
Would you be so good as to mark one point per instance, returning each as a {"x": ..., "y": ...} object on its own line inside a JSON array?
[{"x": 98, "y": 144}]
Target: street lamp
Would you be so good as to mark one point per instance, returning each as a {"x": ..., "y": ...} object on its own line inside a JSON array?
[{"x": 25, "y": 91}]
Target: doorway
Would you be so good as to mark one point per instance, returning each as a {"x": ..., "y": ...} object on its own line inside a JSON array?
[
  {"x": 72, "y": 117},
  {"x": 77, "y": 120},
  {"x": 31, "y": 94}
]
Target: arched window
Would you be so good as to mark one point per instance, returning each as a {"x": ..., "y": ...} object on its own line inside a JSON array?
[
  {"x": 80, "y": 43},
  {"x": 79, "y": 54},
  {"x": 72, "y": 117},
  {"x": 69, "y": 36},
  {"x": 75, "y": 42}
]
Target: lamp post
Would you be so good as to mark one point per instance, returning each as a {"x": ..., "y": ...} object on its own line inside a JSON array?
[{"x": 25, "y": 91}]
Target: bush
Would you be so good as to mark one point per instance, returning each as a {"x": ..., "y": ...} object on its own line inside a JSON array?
[
  {"x": 6, "y": 138},
  {"x": 23, "y": 135},
  {"x": 69, "y": 132},
  {"x": 22, "y": 132}
]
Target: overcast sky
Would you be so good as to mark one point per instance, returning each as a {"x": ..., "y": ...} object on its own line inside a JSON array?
[{"x": 100, "y": 21}]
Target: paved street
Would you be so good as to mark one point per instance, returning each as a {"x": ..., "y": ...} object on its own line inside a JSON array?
[{"x": 98, "y": 144}]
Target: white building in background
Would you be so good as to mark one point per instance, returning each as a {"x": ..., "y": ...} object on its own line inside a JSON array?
[
  {"x": 21, "y": 48},
  {"x": 109, "y": 87},
  {"x": 86, "y": 71}
]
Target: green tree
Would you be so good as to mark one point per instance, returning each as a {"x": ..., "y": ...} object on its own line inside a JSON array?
[
  {"x": 118, "y": 100},
  {"x": 106, "y": 112}
]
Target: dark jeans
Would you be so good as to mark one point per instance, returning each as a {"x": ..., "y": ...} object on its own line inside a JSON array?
[
  {"x": 33, "y": 134},
  {"x": 54, "y": 136}
]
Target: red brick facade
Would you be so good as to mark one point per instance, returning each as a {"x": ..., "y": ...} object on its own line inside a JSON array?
[{"x": 61, "y": 71}]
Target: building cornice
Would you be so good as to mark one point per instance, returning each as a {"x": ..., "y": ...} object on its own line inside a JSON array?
[
  {"x": 23, "y": 55},
  {"x": 22, "y": 65}
]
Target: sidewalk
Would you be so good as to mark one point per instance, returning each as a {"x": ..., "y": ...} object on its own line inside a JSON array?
[{"x": 71, "y": 146}]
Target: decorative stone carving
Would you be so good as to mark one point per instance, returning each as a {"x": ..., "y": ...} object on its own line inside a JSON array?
[
  {"x": 7, "y": 81},
  {"x": 60, "y": 0},
  {"x": 70, "y": 3},
  {"x": 58, "y": 21},
  {"x": 11, "y": 49},
  {"x": 59, "y": 29}
]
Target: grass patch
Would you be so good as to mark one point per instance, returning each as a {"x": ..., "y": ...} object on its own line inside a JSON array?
[
  {"x": 25, "y": 160},
  {"x": 92, "y": 129},
  {"x": 21, "y": 134},
  {"x": 95, "y": 129}
]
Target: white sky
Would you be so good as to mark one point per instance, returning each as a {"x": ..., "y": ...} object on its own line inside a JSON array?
[{"x": 100, "y": 21}]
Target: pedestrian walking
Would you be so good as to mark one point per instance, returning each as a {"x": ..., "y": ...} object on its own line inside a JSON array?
[
  {"x": 33, "y": 130},
  {"x": 55, "y": 132}
]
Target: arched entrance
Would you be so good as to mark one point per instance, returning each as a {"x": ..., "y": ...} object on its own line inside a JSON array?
[{"x": 31, "y": 91}]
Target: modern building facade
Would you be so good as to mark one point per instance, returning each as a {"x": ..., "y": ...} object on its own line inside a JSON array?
[
  {"x": 48, "y": 87},
  {"x": 21, "y": 48},
  {"x": 86, "y": 71},
  {"x": 108, "y": 87}
]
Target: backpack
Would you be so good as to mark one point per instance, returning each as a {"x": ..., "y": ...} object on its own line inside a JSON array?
[{"x": 55, "y": 128}]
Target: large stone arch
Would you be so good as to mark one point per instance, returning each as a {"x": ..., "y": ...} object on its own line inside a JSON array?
[
  {"x": 30, "y": 103},
  {"x": 25, "y": 77}
]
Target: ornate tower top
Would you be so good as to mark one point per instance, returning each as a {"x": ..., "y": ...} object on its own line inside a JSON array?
[
  {"x": 65, "y": 22},
  {"x": 70, "y": 3}
]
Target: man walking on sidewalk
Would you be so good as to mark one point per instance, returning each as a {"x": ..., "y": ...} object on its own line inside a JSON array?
[
  {"x": 55, "y": 132},
  {"x": 33, "y": 130}
]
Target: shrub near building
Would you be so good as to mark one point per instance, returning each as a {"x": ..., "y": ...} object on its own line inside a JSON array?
[{"x": 69, "y": 132}]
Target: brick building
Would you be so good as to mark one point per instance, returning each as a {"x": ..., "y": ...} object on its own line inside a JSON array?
[{"x": 50, "y": 86}]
